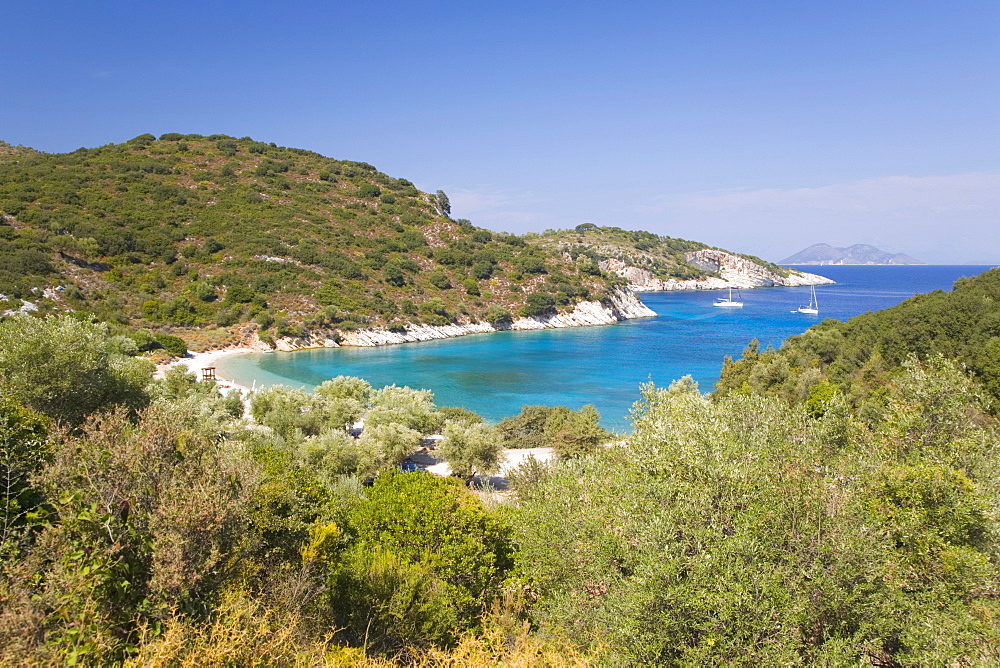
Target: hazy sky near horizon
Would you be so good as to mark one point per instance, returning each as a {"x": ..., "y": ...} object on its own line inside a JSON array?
[{"x": 761, "y": 127}]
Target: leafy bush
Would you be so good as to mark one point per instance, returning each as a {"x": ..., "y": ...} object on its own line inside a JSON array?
[
  {"x": 67, "y": 369},
  {"x": 537, "y": 303},
  {"x": 661, "y": 537},
  {"x": 471, "y": 287},
  {"x": 439, "y": 280},
  {"x": 498, "y": 316},
  {"x": 398, "y": 588},
  {"x": 172, "y": 344}
]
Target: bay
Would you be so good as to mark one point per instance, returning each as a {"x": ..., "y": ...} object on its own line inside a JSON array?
[{"x": 495, "y": 374}]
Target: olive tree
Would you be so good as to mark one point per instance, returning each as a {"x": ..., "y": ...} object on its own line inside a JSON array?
[
  {"x": 334, "y": 453},
  {"x": 402, "y": 405},
  {"x": 66, "y": 369},
  {"x": 470, "y": 449},
  {"x": 387, "y": 444}
]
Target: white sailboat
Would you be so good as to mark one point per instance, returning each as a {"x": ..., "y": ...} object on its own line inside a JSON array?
[
  {"x": 723, "y": 302},
  {"x": 813, "y": 308}
]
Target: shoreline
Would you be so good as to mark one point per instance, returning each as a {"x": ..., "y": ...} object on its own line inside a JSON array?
[
  {"x": 195, "y": 362},
  {"x": 624, "y": 306}
]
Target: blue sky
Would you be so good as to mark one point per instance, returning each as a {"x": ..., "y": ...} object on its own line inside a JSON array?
[{"x": 761, "y": 127}]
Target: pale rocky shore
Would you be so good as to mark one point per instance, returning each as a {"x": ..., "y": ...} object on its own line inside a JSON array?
[
  {"x": 734, "y": 272},
  {"x": 622, "y": 305}
]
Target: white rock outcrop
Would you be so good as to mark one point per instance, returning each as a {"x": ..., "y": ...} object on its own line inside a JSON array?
[
  {"x": 622, "y": 305},
  {"x": 734, "y": 272}
]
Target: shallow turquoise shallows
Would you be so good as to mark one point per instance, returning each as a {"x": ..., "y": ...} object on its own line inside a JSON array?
[{"x": 495, "y": 374}]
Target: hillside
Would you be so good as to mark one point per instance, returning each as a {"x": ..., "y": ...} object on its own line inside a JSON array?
[
  {"x": 856, "y": 254},
  {"x": 192, "y": 233},
  {"x": 651, "y": 262},
  {"x": 9, "y": 149},
  {"x": 857, "y": 356}
]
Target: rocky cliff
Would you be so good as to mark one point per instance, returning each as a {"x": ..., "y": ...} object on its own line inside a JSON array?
[
  {"x": 734, "y": 271},
  {"x": 622, "y": 305}
]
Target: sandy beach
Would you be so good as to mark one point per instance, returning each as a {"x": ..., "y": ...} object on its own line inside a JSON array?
[
  {"x": 510, "y": 459},
  {"x": 195, "y": 362}
]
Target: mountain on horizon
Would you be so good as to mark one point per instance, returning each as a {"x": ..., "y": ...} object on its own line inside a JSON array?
[{"x": 856, "y": 254}]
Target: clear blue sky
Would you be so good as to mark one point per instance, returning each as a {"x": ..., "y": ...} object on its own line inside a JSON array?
[{"x": 761, "y": 126}]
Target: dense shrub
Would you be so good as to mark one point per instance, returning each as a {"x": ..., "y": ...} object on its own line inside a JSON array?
[
  {"x": 537, "y": 303},
  {"x": 172, "y": 344},
  {"x": 67, "y": 369},
  {"x": 399, "y": 588}
]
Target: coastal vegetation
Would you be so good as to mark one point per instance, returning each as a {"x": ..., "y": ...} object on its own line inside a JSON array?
[
  {"x": 857, "y": 358},
  {"x": 846, "y": 522},
  {"x": 663, "y": 256},
  {"x": 186, "y": 233},
  {"x": 216, "y": 240},
  {"x": 569, "y": 433},
  {"x": 832, "y": 502}
]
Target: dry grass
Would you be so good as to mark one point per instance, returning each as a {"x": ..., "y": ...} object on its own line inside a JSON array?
[{"x": 244, "y": 633}]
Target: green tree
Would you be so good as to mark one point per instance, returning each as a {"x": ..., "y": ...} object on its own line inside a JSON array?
[
  {"x": 574, "y": 434},
  {"x": 345, "y": 387},
  {"x": 439, "y": 279},
  {"x": 334, "y": 453},
  {"x": 498, "y": 316},
  {"x": 292, "y": 414},
  {"x": 66, "y": 369},
  {"x": 470, "y": 449},
  {"x": 411, "y": 408},
  {"x": 428, "y": 559},
  {"x": 443, "y": 203},
  {"x": 393, "y": 273},
  {"x": 386, "y": 444},
  {"x": 343, "y": 400},
  {"x": 527, "y": 429},
  {"x": 538, "y": 303}
]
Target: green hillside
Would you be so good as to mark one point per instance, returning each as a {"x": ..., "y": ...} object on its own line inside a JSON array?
[
  {"x": 9, "y": 149},
  {"x": 663, "y": 256},
  {"x": 188, "y": 232},
  {"x": 858, "y": 356}
]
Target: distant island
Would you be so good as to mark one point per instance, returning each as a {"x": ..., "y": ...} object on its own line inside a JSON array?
[{"x": 856, "y": 254}]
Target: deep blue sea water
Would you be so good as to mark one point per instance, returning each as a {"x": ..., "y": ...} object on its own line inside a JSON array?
[{"x": 495, "y": 374}]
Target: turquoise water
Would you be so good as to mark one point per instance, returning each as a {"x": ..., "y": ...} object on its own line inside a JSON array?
[{"x": 495, "y": 374}]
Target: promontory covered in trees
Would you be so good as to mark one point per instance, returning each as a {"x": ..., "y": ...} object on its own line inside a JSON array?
[{"x": 219, "y": 240}]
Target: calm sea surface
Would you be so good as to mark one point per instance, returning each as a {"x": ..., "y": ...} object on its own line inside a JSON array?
[{"x": 495, "y": 374}]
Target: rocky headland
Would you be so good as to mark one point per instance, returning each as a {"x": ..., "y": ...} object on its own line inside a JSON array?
[{"x": 733, "y": 271}]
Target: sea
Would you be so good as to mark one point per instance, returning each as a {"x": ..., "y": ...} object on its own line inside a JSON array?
[{"x": 496, "y": 374}]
